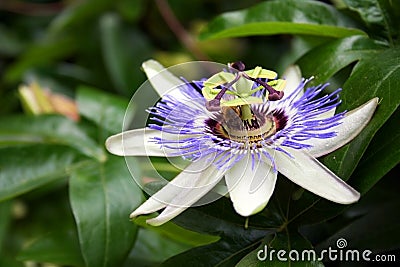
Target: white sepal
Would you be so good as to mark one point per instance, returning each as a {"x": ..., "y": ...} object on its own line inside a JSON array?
[
  {"x": 304, "y": 170},
  {"x": 138, "y": 142},
  {"x": 183, "y": 191},
  {"x": 160, "y": 78},
  {"x": 352, "y": 124}
]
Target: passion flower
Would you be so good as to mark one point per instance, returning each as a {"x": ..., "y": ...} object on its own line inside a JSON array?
[{"x": 252, "y": 132}]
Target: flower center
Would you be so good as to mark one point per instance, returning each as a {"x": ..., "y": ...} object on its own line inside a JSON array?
[{"x": 235, "y": 125}]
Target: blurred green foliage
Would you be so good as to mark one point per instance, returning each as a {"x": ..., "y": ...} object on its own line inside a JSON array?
[{"x": 65, "y": 200}]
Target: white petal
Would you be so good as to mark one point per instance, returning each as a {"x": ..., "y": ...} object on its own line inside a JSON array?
[
  {"x": 160, "y": 78},
  {"x": 353, "y": 123},
  {"x": 250, "y": 188},
  {"x": 187, "y": 188},
  {"x": 292, "y": 75},
  {"x": 136, "y": 142},
  {"x": 310, "y": 174}
]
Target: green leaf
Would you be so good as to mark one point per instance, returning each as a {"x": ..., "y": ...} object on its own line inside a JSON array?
[
  {"x": 61, "y": 247},
  {"x": 266, "y": 254},
  {"x": 282, "y": 17},
  {"x": 40, "y": 54},
  {"x": 25, "y": 168},
  {"x": 10, "y": 43},
  {"x": 177, "y": 233},
  {"x": 226, "y": 252},
  {"x": 381, "y": 156},
  {"x": 123, "y": 52},
  {"x": 377, "y": 16},
  {"x": 218, "y": 218},
  {"x": 102, "y": 195},
  {"x": 391, "y": 11},
  {"x": 5, "y": 219},
  {"x": 47, "y": 129},
  {"x": 327, "y": 59},
  {"x": 8, "y": 261},
  {"x": 78, "y": 13},
  {"x": 151, "y": 248},
  {"x": 37, "y": 216},
  {"x": 380, "y": 221},
  {"x": 379, "y": 76},
  {"x": 106, "y": 110},
  {"x": 130, "y": 10}
]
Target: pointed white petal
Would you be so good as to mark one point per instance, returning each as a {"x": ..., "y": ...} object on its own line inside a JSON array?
[
  {"x": 187, "y": 188},
  {"x": 160, "y": 78},
  {"x": 353, "y": 123},
  {"x": 310, "y": 174},
  {"x": 292, "y": 75},
  {"x": 151, "y": 205},
  {"x": 168, "y": 213},
  {"x": 136, "y": 142},
  {"x": 250, "y": 188}
]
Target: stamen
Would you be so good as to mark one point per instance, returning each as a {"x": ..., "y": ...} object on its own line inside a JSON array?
[
  {"x": 238, "y": 65},
  {"x": 273, "y": 94},
  {"x": 215, "y": 104}
]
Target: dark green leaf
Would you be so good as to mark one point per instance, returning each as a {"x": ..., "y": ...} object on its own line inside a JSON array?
[
  {"x": 379, "y": 76},
  {"x": 380, "y": 222},
  {"x": 220, "y": 219},
  {"x": 106, "y": 110},
  {"x": 369, "y": 11},
  {"x": 130, "y": 10},
  {"x": 78, "y": 13},
  {"x": 5, "y": 219},
  {"x": 123, "y": 53},
  {"x": 151, "y": 248},
  {"x": 25, "y": 168},
  {"x": 391, "y": 11},
  {"x": 59, "y": 247},
  {"x": 377, "y": 16},
  {"x": 40, "y": 54},
  {"x": 177, "y": 233},
  {"x": 381, "y": 156},
  {"x": 41, "y": 219},
  {"x": 57, "y": 130},
  {"x": 222, "y": 253},
  {"x": 282, "y": 17},
  {"x": 9, "y": 42},
  {"x": 6, "y": 260},
  {"x": 327, "y": 59},
  {"x": 102, "y": 195}
]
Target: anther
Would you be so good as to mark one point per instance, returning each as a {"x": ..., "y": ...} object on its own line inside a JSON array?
[
  {"x": 214, "y": 105},
  {"x": 239, "y": 65}
]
